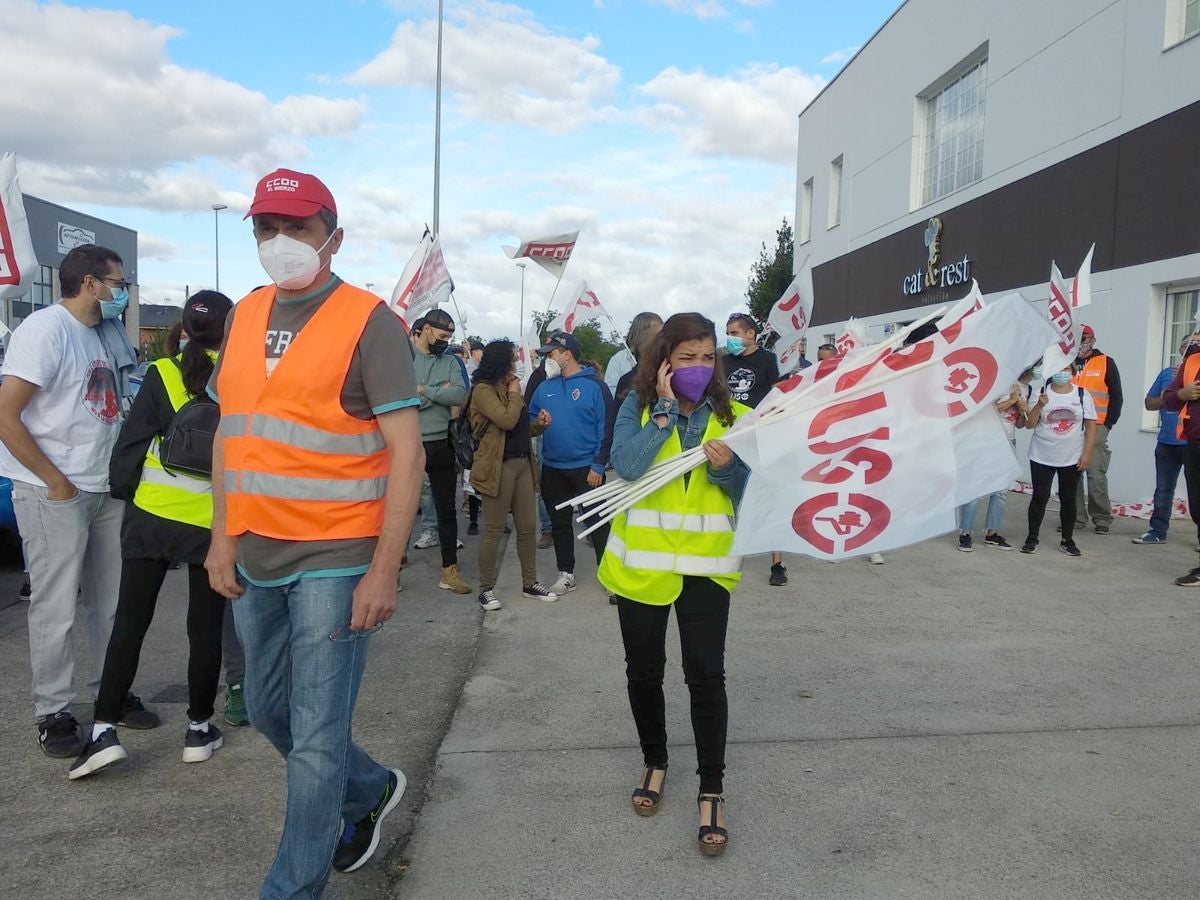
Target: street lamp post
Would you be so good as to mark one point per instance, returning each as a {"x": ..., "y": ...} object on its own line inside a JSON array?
[
  {"x": 521, "y": 329},
  {"x": 371, "y": 286},
  {"x": 216, "y": 208}
]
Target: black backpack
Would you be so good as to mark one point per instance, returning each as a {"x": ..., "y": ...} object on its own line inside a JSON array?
[
  {"x": 462, "y": 439},
  {"x": 187, "y": 447}
]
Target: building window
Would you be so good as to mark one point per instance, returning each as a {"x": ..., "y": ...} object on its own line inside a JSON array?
[
  {"x": 806, "y": 204},
  {"x": 1191, "y": 18},
  {"x": 952, "y": 130},
  {"x": 1182, "y": 306},
  {"x": 1183, "y": 21},
  {"x": 43, "y": 281},
  {"x": 835, "y": 191}
]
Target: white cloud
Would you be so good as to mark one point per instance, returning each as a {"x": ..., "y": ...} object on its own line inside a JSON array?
[
  {"x": 837, "y": 57},
  {"x": 750, "y": 113},
  {"x": 709, "y": 9},
  {"x": 140, "y": 113},
  {"x": 507, "y": 67},
  {"x": 153, "y": 247}
]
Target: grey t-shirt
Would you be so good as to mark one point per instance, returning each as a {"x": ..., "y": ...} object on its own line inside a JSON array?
[{"x": 380, "y": 380}]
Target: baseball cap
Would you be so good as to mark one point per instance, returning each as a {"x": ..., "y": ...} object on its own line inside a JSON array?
[
  {"x": 288, "y": 193},
  {"x": 1087, "y": 329},
  {"x": 561, "y": 340},
  {"x": 439, "y": 318}
]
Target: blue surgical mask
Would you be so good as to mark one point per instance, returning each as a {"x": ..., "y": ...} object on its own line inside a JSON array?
[
  {"x": 112, "y": 308},
  {"x": 1061, "y": 378},
  {"x": 734, "y": 345}
]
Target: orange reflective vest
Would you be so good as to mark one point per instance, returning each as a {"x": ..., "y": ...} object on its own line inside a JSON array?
[
  {"x": 1191, "y": 369},
  {"x": 1092, "y": 379},
  {"x": 298, "y": 467}
]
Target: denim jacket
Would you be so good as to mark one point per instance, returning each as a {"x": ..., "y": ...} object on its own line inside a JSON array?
[{"x": 634, "y": 446}]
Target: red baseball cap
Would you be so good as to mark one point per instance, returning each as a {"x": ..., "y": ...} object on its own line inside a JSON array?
[
  {"x": 1087, "y": 329},
  {"x": 288, "y": 193}
]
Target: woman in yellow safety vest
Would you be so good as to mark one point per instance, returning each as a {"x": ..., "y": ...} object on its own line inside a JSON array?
[
  {"x": 168, "y": 518},
  {"x": 674, "y": 548}
]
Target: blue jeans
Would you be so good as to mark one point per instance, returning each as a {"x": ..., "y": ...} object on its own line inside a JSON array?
[
  {"x": 1168, "y": 460},
  {"x": 300, "y": 692},
  {"x": 995, "y": 513}
]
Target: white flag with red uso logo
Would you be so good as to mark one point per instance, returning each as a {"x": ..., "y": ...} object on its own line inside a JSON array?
[
  {"x": 17, "y": 261},
  {"x": 789, "y": 318},
  {"x": 890, "y": 442},
  {"x": 584, "y": 307},
  {"x": 551, "y": 253},
  {"x": 852, "y": 337},
  {"x": 1061, "y": 311}
]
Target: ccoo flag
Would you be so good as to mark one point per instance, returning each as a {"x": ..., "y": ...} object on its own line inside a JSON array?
[
  {"x": 17, "y": 260},
  {"x": 551, "y": 253}
]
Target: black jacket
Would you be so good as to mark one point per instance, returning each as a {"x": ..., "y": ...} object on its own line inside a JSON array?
[{"x": 144, "y": 535}]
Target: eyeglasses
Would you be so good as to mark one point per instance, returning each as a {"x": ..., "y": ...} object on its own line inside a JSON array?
[{"x": 122, "y": 284}]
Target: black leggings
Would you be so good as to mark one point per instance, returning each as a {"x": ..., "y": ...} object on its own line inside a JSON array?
[
  {"x": 702, "y": 612},
  {"x": 1043, "y": 478},
  {"x": 141, "y": 580},
  {"x": 441, "y": 466}
]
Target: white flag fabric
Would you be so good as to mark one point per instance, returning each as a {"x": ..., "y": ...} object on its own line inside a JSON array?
[
  {"x": 17, "y": 261},
  {"x": 789, "y": 318},
  {"x": 973, "y": 302},
  {"x": 1061, "y": 311},
  {"x": 434, "y": 284},
  {"x": 526, "y": 360},
  {"x": 885, "y": 445},
  {"x": 403, "y": 291},
  {"x": 852, "y": 337},
  {"x": 584, "y": 307},
  {"x": 551, "y": 253}
]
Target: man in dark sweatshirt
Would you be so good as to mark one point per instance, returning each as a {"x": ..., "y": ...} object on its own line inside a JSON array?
[{"x": 575, "y": 445}]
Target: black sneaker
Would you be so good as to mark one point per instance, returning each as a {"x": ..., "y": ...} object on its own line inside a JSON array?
[
  {"x": 1101, "y": 529},
  {"x": 488, "y": 600},
  {"x": 1030, "y": 546},
  {"x": 198, "y": 746},
  {"x": 995, "y": 540},
  {"x": 103, "y": 751},
  {"x": 134, "y": 715},
  {"x": 1191, "y": 579},
  {"x": 778, "y": 575},
  {"x": 1069, "y": 548},
  {"x": 360, "y": 840},
  {"x": 538, "y": 591},
  {"x": 59, "y": 736},
  {"x": 473, "y": 529},
  {"x": 964, "y": 543}
]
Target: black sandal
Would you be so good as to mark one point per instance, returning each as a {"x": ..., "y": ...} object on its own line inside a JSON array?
[
  {"x": 644, "y": 792},
  {"x": 712, "y": 848}
]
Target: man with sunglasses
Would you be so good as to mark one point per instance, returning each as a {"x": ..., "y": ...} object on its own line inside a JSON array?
[{"x": 60, "y": 414}]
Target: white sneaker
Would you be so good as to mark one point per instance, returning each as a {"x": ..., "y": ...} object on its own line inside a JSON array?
[
  {"x": 876, "y": 559},
  {"x": 564, "y": 585},
  {"x": 426, "y": 540}
]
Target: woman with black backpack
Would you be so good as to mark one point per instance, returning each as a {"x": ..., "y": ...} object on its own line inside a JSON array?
[{"x": 168, "y": 518}]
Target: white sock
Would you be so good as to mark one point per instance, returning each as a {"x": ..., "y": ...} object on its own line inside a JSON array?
[
  {"x": 98, "y": 728},
  {"x": 198, "y": 726}
]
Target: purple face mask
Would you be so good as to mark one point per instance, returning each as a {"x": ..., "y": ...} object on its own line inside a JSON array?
[{"x": 691, "y": 381}]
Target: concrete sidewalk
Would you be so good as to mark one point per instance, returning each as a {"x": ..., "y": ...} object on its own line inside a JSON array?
[
  {"x": 156, "y": 828},
  {"x": 948, "y": 725}
]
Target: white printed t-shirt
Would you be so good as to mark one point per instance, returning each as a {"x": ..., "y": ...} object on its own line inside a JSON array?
[
  {"x": 1058, "y": 437},
  {"x": 75, "y": 417}
]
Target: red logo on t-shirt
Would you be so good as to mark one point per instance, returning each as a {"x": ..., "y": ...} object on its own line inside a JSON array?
[
  {"x": 1061, "y": 419},
  {"x": 100, "y": 392}
]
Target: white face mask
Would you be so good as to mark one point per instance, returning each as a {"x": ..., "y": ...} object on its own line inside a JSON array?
[
  {"x": 291, "y": 264},
  {"x": 553, "y": 369}
]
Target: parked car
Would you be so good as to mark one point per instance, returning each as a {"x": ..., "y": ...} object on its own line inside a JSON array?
[{"x": 8, "y": 518}]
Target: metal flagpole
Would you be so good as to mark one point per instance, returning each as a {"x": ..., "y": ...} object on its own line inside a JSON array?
[{"x": 437, "y": 129}]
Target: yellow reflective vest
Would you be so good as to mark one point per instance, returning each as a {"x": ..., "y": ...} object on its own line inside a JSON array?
[
  {"x": 171, "y": 495},
  {"x": 673, "y": 532}
]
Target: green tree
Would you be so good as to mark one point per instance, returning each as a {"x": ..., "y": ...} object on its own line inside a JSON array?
[
  {"x": 771, "y": 274},
  {"x": 155, "y": 347}
]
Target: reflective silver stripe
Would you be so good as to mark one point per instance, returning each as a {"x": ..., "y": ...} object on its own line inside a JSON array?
[
  {"x": 232, "y": 426},
  {"x": 151, "y": 475},
  {"x": 681, "y": 564},
  {"x": 287, "y": 487},
  {"x": 316, "y": 439},
  {"x": 668, "y": 521}
]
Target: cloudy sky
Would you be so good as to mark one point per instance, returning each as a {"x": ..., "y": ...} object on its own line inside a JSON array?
[{"x": 664, "y": 130}]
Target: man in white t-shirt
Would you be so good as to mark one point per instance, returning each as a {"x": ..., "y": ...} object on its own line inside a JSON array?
[{"x": 60, "y": 413}]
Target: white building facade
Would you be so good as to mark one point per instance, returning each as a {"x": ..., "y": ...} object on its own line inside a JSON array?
[{"x": 974, "y": 139}]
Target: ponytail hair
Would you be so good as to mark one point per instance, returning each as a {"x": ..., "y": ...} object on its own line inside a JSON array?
[{"x": 204, "y": 317}]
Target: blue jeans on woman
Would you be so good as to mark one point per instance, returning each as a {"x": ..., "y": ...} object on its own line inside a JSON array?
[
  {"x": 300, "y": 691},
  {"x": 995, "y": 513}
]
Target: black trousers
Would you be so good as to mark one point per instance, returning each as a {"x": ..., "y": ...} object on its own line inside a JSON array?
[
  {"x": 1191, "y": 477},
  {"x": 441, "y": 466},
  {"x": 1043, "y": 478},
  {"x": 559, "y": 485},
  {"x": 141, "y": 580},
  {"x": 702, "y": 612}
]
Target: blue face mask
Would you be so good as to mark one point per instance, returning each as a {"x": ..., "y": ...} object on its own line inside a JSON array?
[
  {"x": 735, "y": 346},
  {"x": 112, "y": 308},
  {"x": 1061, "y": 378}
]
